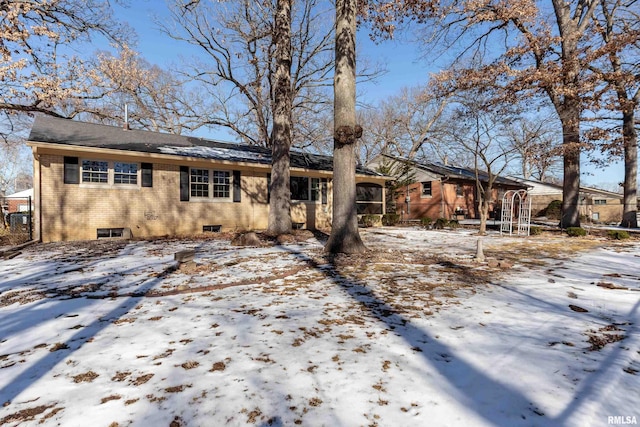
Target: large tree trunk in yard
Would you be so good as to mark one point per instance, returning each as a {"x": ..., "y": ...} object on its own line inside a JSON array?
[
  {"x": 569, "y": 113},
  {"x": 280, "y": 202},
  {"x": 345, "y": 237},
  {"x": 630, "y": 137}
]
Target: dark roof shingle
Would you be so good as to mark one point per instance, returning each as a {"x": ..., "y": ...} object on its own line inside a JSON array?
[{"x": 48, "y": 129}]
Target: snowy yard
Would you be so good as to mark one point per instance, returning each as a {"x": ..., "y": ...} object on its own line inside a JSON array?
[{"x": 414, "y": 333}]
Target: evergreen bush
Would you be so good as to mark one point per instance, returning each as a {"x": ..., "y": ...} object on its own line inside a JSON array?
[
  {"x": 390, "y": 219},
  {"x": 618, "y": 234},
  {"x": 576, "y": 232}
]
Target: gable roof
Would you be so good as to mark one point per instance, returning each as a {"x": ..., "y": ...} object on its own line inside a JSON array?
[
  {"x": 557, "y": 188},
  {"x": 454, "y": 172},
  {"x": 55, "y": 130}
]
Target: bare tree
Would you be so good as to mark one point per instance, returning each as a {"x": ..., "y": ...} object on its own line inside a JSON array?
[
  {"x": 477, "y": 128},
  {"x": 547, "y": 49},
  {"x": 280, "y": 202},
  {"x": 620, "y": 31},
  {"x": 15, "y": 157},
  {"x": 344, "y": 237},
  {"x": 238, "y": 64},
  {"x": 157, "y": 100},
  {"x": 537, "y": 145},
  {"x": 403, "y": 124}
]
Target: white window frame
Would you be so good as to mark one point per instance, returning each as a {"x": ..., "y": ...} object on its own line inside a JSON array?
[
  {"x": 126, "y": 174},
  {"x": 210, "y": 197},
  {"x": 426, "y": 196},
  {"x": 110, "y": 175},
  {"x": 83, "y": 171}
]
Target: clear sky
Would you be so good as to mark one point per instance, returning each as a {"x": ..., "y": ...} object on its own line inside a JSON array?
[{"x": 402, "y": 60}]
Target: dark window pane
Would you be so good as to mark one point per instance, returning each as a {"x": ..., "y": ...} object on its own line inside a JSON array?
[
  {"x": 368, "y": 192},
  {"x": 299, "y": 188}
]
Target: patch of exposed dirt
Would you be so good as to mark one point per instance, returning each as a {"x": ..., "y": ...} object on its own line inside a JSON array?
[
  {"x": 88, "y": 376},
  {"x": 606, "y": 335},
  {"x": 29, "y": 414},
  {"x": 21, "y": 296}
]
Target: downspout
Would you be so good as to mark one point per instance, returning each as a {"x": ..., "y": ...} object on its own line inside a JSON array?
[{"x": 37, "y": 194}]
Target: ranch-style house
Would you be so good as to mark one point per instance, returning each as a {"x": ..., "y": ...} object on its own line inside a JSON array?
[{"x": 94, "y": 181}]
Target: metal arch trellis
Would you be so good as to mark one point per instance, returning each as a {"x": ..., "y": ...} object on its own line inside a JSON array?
[{"x": 516, "y": 207}]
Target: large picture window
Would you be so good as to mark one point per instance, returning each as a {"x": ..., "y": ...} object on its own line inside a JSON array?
[{"x": 96, "y": 171}]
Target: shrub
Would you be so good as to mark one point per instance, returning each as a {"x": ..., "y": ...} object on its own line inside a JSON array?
[
  {"x": 553, "y": 210},
  {"x": 534, "y": 230},
  {"x": 369, "y": 220},
  {"x": 454, "y": 223},
  {"x": 390, "y": 219},
  {"x": 426, "y": 221},
  {"x": 576, "y": 232},
  {"x": 441, "y": 223},
  {"x": 618, "y": 234}
]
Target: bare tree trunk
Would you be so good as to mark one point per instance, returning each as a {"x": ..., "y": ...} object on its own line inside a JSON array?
[
  {"x": 280, "y": 202},
  {"x": 344, "y": 236},
  {"x": 630, "y": 137},
  {"x": 484, "y": 215},
  {"x": 569, "y": 113}
]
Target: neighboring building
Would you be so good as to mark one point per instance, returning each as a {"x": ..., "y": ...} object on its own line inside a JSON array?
[
  {"x": 595, "y": 204},
  {"x": 18, "y": 202},
  {"x": 95, "y": 181},
  {"x": 440, "y": 191}
]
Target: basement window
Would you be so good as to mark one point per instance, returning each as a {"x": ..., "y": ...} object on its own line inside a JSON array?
[
  {"x": 211, "y": 228},
  {"x": 106, "y": 233}
]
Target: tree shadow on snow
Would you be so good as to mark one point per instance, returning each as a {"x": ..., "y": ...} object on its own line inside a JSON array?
[
  {"x": 493, "y": 400},
  {"x": 48, "y": 308},
  {"x": 497, "y": 402}
]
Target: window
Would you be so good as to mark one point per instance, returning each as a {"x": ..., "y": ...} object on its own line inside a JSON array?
[
  {"x": 199, "y": 181},
  {"x": 369, "y": 198},
  {"x": 107, "y": 173},
  {"x": 299, "y": 188},
  {"x": 209, "y": 184},
  {"x": 426, "y": 189},
  {"x": 315, "y": 189},
  {"x": 305, "y": 189},
  {"x": 600, "y": 202},
  {"x": 95, "y": 171},
  {"x": 459, "y": 190},
  {"x": 221, "y": 184},
  {"x": 125, "y": 173}
]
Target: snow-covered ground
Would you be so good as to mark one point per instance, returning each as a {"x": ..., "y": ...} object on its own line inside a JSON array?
[{"x": 414, "y": 333}]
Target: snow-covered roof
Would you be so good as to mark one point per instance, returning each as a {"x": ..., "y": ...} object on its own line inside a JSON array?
[{"x": 21, "y": 194}]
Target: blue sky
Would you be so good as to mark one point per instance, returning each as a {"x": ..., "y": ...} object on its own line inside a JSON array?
[{"x": 403, "y": 62}]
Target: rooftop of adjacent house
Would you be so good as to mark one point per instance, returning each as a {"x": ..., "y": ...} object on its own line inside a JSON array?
[
  {"x": 24, "y": 194},
  {"x": 54, "y": 130},
  {"x": 455, "y": 172},
  {"x": 542, "y": 187}
]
